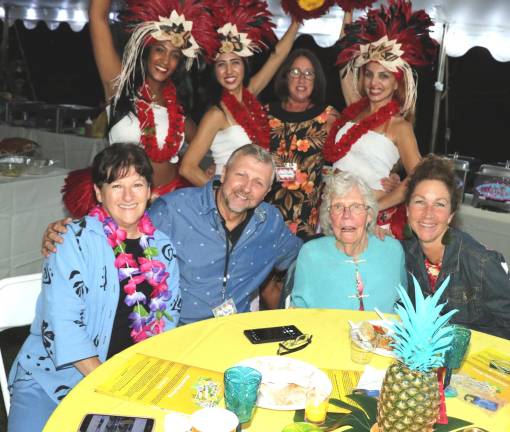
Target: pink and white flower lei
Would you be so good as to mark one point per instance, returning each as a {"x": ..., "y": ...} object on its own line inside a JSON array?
[{"x": 143, "y": 323}]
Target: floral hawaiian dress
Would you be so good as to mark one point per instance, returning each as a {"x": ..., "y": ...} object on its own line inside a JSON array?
[{"x": 297, "y": 139}]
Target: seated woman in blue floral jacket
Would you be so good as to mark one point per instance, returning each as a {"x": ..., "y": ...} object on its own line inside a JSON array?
[
  {"x": 113, "y": 282},
  {"x": 479, "y": 284}
]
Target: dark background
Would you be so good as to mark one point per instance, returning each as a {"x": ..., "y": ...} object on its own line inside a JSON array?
[{"x": 62, "y": 69}]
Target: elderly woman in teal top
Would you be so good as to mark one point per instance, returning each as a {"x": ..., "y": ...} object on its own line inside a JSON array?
[{"x": 349, "y": 268}]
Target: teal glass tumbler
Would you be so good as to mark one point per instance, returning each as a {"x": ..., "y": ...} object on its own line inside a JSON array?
[
  {"x": 455, "y": 355},
  {"x": 241, "y": 389}
]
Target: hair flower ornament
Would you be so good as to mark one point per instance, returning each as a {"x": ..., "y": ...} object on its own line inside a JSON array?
[
  {"x": 243, "y": 26},
  {"x": 394, "y": 36},
  {"x": 187, "y": 24},
  {"x": 178, "y": 31},
  {"x": 233, "y": 41},
  {"x": 386, "y": 52}
]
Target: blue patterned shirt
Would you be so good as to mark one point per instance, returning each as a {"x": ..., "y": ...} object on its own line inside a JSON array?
[
  {"x": 191, "y": 219},
  {"x": 76, "y": 308}
]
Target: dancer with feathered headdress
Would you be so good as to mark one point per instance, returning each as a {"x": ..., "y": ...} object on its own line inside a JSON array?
[
  {"x": 375, "y": 131},
  {"x": 236, "y": 116},
  {"x": 146, "y": 90}
]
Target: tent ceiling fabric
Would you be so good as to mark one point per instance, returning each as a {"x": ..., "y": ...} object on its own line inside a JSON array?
[
  {"x": 470, "y": 22},
  {"x": 52, "y": 12}
]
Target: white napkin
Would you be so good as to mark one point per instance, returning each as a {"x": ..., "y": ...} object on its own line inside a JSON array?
[
  {"x": 371, "y": 379},
  {"x": 177, "y": 422}
]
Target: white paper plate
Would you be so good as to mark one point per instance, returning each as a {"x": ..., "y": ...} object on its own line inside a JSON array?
[
  {"x": 383, "y": 324},
  {"x": 285, "y": 381}
]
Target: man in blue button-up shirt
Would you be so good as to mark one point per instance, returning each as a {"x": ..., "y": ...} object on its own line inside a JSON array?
[{"x": 227, "y": 239}]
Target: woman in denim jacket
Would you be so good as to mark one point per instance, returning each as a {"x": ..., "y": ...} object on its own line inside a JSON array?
[{"x": 479, "y": 284}]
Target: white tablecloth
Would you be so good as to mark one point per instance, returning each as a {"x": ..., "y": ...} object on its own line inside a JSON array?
[
  {"x": 490, "y": 228},
  {"x": 27, "y": 205},
  {"x": 74, "y": 151}
]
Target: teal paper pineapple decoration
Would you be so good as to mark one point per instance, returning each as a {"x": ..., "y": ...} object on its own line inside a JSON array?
[{"x": 409, "y": 399}]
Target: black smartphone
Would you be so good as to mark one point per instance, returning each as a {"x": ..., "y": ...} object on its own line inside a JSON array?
[
  {"x": 110, "y": 423},
  {"x": 272, "y": 334}
]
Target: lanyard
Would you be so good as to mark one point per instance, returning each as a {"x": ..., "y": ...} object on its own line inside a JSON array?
[{"x": 228, "y": 250}]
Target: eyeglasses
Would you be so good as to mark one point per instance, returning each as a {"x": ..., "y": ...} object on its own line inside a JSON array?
[
  {"x": 354, "y": 208},
  {"x": 297, "y": 73}
]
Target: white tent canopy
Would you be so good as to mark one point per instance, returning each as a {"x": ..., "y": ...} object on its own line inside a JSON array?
[
  {"x": 470, "y": 23},
  {"x": 52, "y": 12}
]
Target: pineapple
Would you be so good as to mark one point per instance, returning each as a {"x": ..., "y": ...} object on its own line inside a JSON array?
[{"x": 409, "y": 399}]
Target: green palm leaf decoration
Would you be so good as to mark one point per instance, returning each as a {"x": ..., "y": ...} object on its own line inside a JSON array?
[{"x": 362, "y": 416}]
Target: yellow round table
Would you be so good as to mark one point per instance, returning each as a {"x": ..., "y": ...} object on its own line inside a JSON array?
[{"x": 219, "y": 343}]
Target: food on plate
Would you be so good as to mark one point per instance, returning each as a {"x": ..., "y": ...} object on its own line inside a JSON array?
[
  {"x": 379, "y": 336},
  {"x": 285, "y": 384},
  {"x": 285, "y": 381},
  {"x": 17, "y": 146},
  {"x": 367, "y": 331},
  {"x": 282, "y": 395}
]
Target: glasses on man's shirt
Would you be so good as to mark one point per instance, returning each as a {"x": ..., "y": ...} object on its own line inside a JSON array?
[
  {"x": 354, "y": 208},
  {"x": 297, "y": 73}
]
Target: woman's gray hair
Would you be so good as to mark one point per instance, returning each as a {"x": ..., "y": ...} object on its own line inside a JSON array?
[{"x": 337, "y": 186}]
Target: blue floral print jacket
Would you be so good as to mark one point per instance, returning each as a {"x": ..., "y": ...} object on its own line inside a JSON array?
[{"x": 77, "y": 305}]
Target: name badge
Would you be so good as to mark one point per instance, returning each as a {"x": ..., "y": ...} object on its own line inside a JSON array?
[
  {"x": 228, "y": 307},
  {"x": 286, "y": 172}
]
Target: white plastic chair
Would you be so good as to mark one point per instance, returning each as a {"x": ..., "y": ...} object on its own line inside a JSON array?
[{"x": 18, "y": 296}]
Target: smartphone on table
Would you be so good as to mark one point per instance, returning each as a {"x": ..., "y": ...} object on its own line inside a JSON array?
[
  {"x": 272, "y": 334},
  {"x": 111, "y": 423}
]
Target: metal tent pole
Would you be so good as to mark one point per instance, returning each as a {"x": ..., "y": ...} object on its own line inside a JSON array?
[
  {"x": 4, "y": 49},
  {"x": 25, "y": 63},
  {"x": 439, "y": 86}
]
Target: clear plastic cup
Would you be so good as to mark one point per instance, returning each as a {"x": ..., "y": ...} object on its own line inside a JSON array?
[
  {"x": 316, "y": 406},
  {"x": 361, "y": 351}
]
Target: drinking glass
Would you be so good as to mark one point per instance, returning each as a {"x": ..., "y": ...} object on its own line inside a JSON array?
[
  {"x": 316, "y": 406},
  {"x": 454, "y": 357},
  {"x": 361, "y": 351},
  {"x": 241, "y": 389}
]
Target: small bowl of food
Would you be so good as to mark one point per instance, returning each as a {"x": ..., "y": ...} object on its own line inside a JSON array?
[
  {"x": 41, "y": 166},
  {"x": 13, "y": 166},
  {"x": 379, "y": 334}
]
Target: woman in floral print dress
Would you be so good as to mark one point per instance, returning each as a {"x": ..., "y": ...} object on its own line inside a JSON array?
[{"x": 299, "y": 124}]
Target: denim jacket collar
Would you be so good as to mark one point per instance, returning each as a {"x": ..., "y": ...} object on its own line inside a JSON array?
[{"x": 451, "y": 258}]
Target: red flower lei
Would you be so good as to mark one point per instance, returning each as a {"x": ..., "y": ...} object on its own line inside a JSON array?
[
  {"x": 251, "y": 116},
  {"x": 145, "y": 114},
  {"x": 143, "y": 323},
  {"x": 333, "y": 150}
]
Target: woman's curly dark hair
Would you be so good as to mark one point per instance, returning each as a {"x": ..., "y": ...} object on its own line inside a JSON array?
[{"x": 433, "y": 167}]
